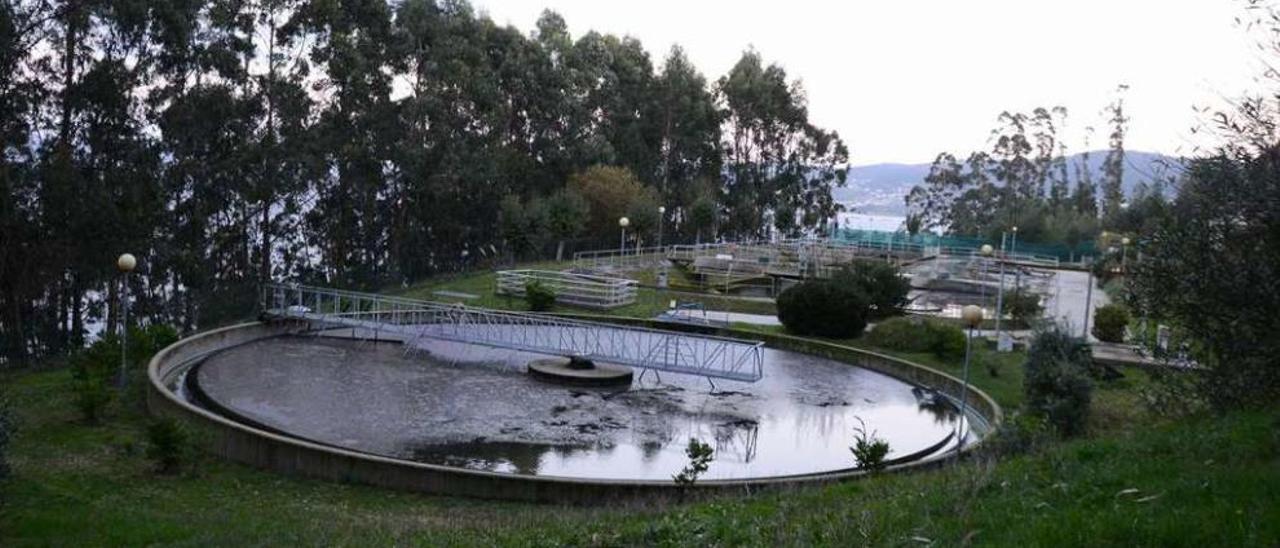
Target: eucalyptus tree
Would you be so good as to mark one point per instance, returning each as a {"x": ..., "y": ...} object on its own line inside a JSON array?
[
  {"x": 355, "y": 134},
  {"x": 630, "y": 120},
  {"x": 1012, "y": 166},
  {"x": 455, "y": 122},
  {"x": 97, "y": 162},
  {"x": 24, "y": 26},
  {"x": 689, "y": 148},
  {"x": 354, "y": 142},
  {"x": 1025, "y": 180},
  {"x": 1113, "y": 164},
  {"x": 1084, "y": 196},
  {"x": 779, "y": 168},
  {"x": 234, "y": 120}
]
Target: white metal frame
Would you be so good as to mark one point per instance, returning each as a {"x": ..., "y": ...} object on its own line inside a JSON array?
[
  {"x": 660, "y": 350},
  {"x": 620, "y": 259},
  {"x": 585, "y": 290}
]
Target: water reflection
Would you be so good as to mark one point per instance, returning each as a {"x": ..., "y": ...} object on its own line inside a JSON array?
[
  {"x": 937, "y": 405},
  {"x": 738, "y": 438},
  {"x": 458, "y": 406}
]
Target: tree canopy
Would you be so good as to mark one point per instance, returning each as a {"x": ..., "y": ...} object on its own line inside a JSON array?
[{"x": 356, "y": 143}]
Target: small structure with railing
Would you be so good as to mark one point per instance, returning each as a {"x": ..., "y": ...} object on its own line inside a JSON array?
[{"x": 570, "y": 288}]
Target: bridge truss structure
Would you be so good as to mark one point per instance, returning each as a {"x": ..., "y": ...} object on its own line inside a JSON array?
[{"x": 416, "y": 320}]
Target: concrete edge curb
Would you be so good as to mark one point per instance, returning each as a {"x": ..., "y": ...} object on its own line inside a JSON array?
[{"x": 266, "y": 450}]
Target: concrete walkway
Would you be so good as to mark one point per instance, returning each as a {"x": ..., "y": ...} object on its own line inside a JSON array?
[{"x": 1066, "y": 300}]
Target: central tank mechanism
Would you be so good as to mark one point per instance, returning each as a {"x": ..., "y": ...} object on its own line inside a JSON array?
[{"x": 580, "y": 370}]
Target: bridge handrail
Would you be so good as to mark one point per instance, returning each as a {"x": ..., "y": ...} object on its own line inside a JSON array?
[{"x": 425, "y": 306}]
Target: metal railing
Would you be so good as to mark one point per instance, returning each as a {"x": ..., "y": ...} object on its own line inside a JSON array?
[
  {"x": 620, "y": 259},
  {"x": 415, "y": 320},
  {"x": 588, "y": 291},
  {"x": 1023, "y": 258},
  {"x": 816, "y": 257}
]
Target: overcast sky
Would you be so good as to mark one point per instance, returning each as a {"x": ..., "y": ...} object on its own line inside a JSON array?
[{"x": 902, "y": 81}]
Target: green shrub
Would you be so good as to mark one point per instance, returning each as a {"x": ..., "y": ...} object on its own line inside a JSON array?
[
  {"x": 881, "y": 282},
  {"x": 1057, "y": 383},
  {"x": 91, "y": 372},
  {"x": 1024, "y": 306},
  {"x": 700, "y": 456},
  {"x": 1109, "y": 323},
  {"x": 94, "y": 368},
  {"x": 945, "y": 340},
  {"x": 917, "y": 334},
  {"x": 540, "y": 297},
  {"x": 144, "y": 342},
  {"x": 167, "y": 444},
  {"x": 869, "y": 451},
  {"x": 1020, "y": 433},
  {"x": 8, "y": 425},
  {"x": 823, "y": 308}
]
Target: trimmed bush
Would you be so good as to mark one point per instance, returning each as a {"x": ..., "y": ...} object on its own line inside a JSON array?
[
  {"x": 917, "y": 334},
  {"x": 885, "y": 288},
  {"x": 824, "y": 308},
  {"x": 1057, "y": 383},
  {"x": 1109, "y": 323},
  {"x": 540, "y": 297}
]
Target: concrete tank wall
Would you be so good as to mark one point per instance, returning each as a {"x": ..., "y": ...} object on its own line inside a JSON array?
[{"x": 269, "y": 451}]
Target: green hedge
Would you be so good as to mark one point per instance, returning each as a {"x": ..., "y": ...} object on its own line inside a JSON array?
[
  {"x": 1109, "y": 323},
  {"x": 824, "y": 308},
  {"x": 916, "y": 334}
]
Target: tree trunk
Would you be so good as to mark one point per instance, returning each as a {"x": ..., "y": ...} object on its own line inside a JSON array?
[
  {"x": 264, "y": 273},
  {"x": 77, "y": 314},
  {"x": 112, "y": 306}
]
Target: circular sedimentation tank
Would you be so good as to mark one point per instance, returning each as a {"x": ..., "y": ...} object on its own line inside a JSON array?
[{"x": 464, "y": 419}]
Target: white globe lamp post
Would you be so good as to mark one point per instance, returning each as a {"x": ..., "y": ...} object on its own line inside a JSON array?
[
  {"x": 1124, "y": 255},
  {"x": 986, "y": 250},
  {"x": 1013, "y": 250},
  {"x": 125, "y": 263},
  {"x": 662, "y": 212},
  {"x": 972, "y": 317},
  {"x": 623, "y": 223}
]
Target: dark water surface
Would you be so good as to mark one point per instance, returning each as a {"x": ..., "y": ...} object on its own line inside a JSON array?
[{"x": 474, "y": 407}]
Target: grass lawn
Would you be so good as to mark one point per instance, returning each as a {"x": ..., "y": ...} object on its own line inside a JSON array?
[
  {"x": 1200, "y": 482},
  {"x": 1134, "y": 479}
]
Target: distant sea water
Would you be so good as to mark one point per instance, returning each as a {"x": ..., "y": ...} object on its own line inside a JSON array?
[{"x": 871, "y": 221}]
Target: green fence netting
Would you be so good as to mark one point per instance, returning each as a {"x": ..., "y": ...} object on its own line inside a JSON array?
[{"x": 1062, "y": 251}]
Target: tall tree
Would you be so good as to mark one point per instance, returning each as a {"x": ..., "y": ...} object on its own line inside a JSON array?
[
  {"x": 689, "y": 148},
  {"x": 24, "y": 26},
  {"x": 355, "y": 131},
  {"x": 780, "y": 168},
  {"x": 1113, "y": 165}
]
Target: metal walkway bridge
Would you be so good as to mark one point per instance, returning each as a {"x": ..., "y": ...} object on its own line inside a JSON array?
[{"x": 416, "y": 320}]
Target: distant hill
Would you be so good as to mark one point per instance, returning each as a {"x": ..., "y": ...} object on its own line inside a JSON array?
[{"x": 880, "y": 188}]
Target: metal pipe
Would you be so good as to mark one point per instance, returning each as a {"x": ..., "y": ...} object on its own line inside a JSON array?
[
  {"x": 124, "y": 331},
  {"x": 1000, "y": 294},
  {"x": 1088, "y": 304},
  {"x": 964, "y": 395}
]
